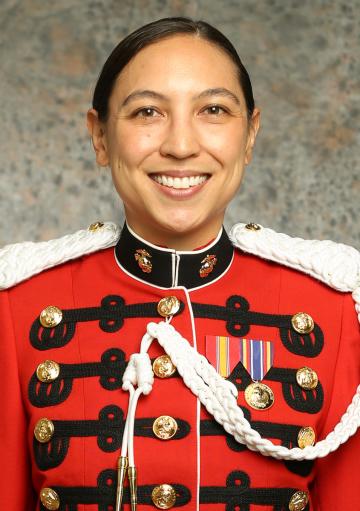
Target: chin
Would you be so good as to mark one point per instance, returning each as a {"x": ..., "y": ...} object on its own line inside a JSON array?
[{"x": 180, "y": 224}]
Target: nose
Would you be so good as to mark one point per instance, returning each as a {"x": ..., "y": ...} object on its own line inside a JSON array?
[{"x": 180, "y": 140}]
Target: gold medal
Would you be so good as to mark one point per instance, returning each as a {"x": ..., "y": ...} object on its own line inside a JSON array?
[{"x": 259, "y": 396}]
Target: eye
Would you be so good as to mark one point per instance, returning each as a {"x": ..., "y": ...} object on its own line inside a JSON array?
[
  {"x": 146, "y": 112},
  {"x": 215, "y": 110}
]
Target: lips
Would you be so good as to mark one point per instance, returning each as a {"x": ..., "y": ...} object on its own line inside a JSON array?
[{"x": 179, "y": 183}]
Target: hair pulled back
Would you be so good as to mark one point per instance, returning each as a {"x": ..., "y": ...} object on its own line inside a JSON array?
[{"x": 151, "y": 33}]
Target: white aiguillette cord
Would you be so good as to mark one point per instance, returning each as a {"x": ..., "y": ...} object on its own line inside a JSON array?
[
  {"x": 138, "y": 373},
  {"x": 219, "y": 396}
]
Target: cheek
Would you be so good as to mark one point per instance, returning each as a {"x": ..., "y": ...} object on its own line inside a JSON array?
[
  {"x": 130, "y": 146},
  {"x": 227, "y": 145}
]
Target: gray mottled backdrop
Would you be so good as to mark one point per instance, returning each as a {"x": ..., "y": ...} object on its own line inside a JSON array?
[{"x": 303, "y": 58}]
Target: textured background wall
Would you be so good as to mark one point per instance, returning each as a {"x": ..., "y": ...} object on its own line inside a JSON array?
[{"x": 303, "y": 60}]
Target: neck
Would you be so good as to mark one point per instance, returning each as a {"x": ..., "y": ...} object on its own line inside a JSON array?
[{"x": 177, "y": 240}]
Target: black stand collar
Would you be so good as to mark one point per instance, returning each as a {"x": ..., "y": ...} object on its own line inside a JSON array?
[{"x": 165, "y": 267}]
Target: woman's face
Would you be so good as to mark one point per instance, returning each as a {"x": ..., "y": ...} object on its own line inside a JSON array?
[{"x": 177, "y": 139}]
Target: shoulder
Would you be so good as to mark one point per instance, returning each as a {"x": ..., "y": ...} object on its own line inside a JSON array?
[
  {"x": 20, "y": 261},
  {"x": 334, "y": 264}
]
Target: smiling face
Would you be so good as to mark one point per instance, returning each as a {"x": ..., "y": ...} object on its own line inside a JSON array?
[{"x": 177, "y": 139}]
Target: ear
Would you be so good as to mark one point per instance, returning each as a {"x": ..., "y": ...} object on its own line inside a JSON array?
[
  {"x": 253, "y": 128},
  {"x": 96, "y": 130}
]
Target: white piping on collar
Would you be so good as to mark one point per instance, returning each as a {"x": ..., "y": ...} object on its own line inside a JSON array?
[{"x": 175, "y": 275}]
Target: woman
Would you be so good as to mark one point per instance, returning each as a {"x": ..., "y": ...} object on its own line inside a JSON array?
[{"x": 174, "y": 118}]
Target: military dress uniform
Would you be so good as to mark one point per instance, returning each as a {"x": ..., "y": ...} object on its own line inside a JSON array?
[{"x": 67, "y": 335}]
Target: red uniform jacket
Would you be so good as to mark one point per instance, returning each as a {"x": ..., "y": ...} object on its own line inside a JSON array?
[{"x": 107, "y": 299}]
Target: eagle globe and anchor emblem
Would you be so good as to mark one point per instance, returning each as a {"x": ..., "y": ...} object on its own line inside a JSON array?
[{"x": 143, "y": 257}]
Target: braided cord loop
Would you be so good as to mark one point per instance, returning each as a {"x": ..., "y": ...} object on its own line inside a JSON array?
[{"x": 219, "y": 398}]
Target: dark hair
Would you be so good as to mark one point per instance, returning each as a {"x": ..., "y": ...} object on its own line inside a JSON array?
[{"x": 151, "y": 33}]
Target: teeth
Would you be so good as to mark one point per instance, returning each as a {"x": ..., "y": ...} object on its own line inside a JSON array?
[{"x": 179, "y": 182}]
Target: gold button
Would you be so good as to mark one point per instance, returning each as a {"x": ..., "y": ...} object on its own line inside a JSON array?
[
  {"x": 298, "y": 501},
  {"x": 95, "y": 226},
  {"x": 306, "y": 436},
  {"x": 44, "y": 430},
  {"x": 50, "y": 499},
  {"x": 168, "y": 306},
  {"x": 307, "y": 378},
  {"x": 252, "y": 227},
  {"x": 51, "y": 316},
  {"x": 163, "y": 496},
  {"x": 302, "y": 323},
  {"x": 47, "y": 371},
  {"x": 165, "y": 427},
  {"x": 163, "y": 366}
]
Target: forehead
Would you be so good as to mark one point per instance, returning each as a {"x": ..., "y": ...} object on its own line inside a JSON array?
[{"x": 180, "y": 63}]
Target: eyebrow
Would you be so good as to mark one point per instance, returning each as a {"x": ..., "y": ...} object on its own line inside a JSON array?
[
  {"x": 219, "y": 91},
  {"x": 144, "y": 93}
]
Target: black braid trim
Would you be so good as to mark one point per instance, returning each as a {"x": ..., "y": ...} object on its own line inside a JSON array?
[
  {"x": 239, "y": 318},
  {"x": 111, "y": 315},
  {"x": 112, "y": 366},
  {"x": 113, "y": 311},
  {"x": 300, "y": 468},
  {"x": 110, "y": 369},
  {"x": 104, "y": 494},
  {"x": 301, "y": 400},
  {"x": 108, "y": 429},
  {"x": 238, "y": 495}
]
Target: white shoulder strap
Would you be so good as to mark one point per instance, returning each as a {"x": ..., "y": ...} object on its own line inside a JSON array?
[
  {"x": 335, "y": 264},
  {"x": 20, "y": 261}
]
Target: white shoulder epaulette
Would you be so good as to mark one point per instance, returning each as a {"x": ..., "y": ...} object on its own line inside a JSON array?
[
  {"x": 21, "y": 261},
  {"x": 335, "y": 264}
]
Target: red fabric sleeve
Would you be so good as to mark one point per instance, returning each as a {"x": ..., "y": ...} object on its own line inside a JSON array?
[
  {"x": 337, "y": 481},
  {"x": 15, "y": 480}
]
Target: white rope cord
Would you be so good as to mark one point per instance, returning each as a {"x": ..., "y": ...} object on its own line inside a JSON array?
[
  {"x": 125, "y": 438},
  {"x": 138, "y": 373},
  {"x": 219, "y": 397}
]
